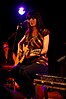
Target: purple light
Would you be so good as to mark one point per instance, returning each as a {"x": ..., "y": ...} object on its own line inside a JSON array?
[{"x": 21, "y": 11}]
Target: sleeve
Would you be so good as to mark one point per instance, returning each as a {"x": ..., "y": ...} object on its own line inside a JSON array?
[{"x": 46, "y": 32}]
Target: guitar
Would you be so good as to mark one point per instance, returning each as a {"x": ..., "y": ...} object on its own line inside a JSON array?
[
  {"x": 25, "y": 53},
  {"x": 33, "y": 55}
]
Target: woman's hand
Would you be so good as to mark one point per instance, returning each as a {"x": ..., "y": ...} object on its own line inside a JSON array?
[{"x": 35, "y": 52}]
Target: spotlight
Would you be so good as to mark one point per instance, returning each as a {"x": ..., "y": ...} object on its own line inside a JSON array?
[{"x": 21, "y": 11}]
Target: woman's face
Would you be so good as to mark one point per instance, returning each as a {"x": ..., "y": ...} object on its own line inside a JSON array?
[
  {"x": 32, "y": 22},
  {"x": 6, "y": 47}
]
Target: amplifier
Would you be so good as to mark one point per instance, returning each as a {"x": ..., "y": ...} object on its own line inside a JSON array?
[{"x": 54, "y": 82}]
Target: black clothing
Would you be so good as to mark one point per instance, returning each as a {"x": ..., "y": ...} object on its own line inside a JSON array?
[{"x": 8, "y": 61}]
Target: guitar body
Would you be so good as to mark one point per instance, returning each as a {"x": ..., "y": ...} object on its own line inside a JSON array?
[
  {"x": 29, "y": 60},
  {"x": 26, "y": 57},
  {"x": 34, "y": 54},
  {"x": 20, "y": 58}
]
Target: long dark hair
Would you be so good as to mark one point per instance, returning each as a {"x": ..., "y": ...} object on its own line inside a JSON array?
[{"x": 35, "y": 14}]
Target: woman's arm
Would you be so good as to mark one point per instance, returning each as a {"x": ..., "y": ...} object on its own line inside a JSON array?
[{"x": 45, "y": 44}]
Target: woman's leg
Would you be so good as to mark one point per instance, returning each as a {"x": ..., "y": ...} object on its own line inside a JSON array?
[
  {"x": 23, "y": 80},
  {"x": 29, "y": 74},
  {"x": 24, "y": 76}
]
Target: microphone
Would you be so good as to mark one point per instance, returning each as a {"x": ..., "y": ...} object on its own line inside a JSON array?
[
  {"x": 19, "y": 26},
  {"x": 22, "y": 24},
  {"x": 26, "y": 21}
]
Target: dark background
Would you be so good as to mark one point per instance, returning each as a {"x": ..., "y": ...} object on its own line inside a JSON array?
[{"x": 53, "y": 14}]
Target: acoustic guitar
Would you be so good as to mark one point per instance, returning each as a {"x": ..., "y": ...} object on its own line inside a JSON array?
[{"x": 25, "y": 53}]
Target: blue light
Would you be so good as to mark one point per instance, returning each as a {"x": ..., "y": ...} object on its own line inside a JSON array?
[{"x": 21, "y": 11}]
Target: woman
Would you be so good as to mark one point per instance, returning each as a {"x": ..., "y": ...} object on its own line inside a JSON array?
[
  {"x": 32, "y": 54},
  {"x": 8, "y": 56}
]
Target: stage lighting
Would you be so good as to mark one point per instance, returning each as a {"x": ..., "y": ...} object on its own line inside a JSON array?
[{"x": 21, "y": 11}]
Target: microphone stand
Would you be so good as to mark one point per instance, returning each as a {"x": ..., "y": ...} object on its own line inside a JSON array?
[
  {"x": 14, "y": 40},
  {"x": 11, "y": 36},
  {"x": 15, "y": 37},
  {"x": 15, "y": 33}
]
